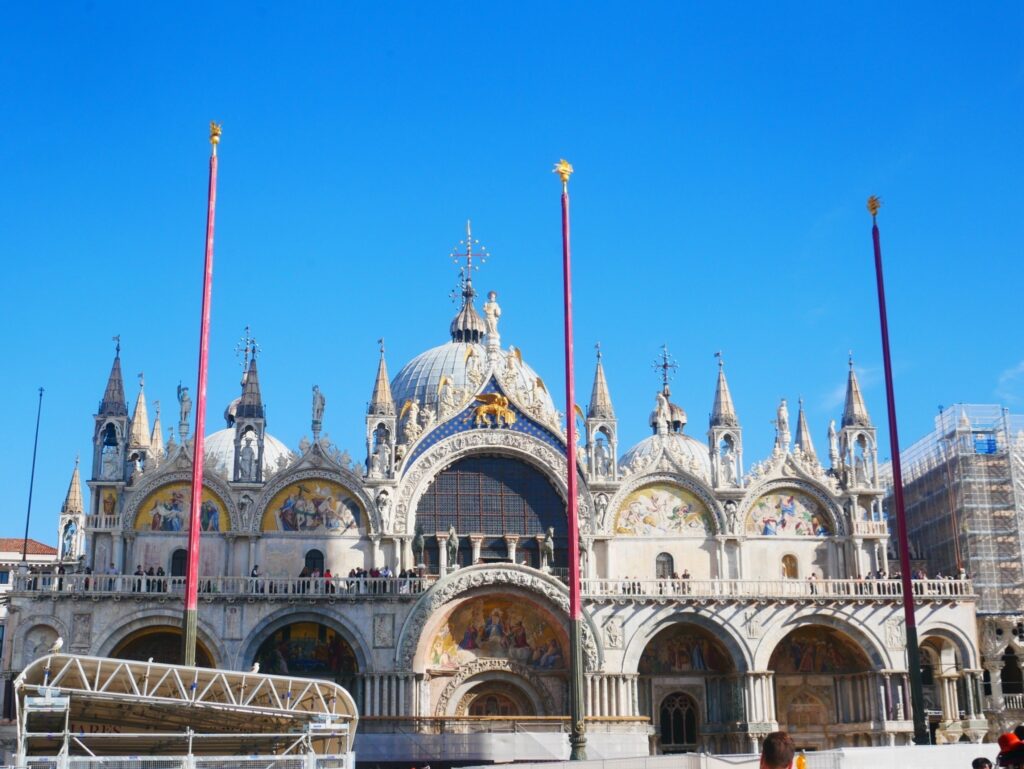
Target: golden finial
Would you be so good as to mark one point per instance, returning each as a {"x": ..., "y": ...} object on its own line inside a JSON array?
[
  {"x": 214, "y": 134},
  {"x": 563, "y": 169},
  {"x": 874, "y": 203}
]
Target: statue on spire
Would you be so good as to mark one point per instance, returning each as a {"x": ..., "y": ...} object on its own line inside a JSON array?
[
  {"x": 318, "y": 411},
  {"x": 184, "y": 409}
]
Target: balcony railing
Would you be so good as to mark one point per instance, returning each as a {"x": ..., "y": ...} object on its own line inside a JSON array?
[
  {"x": 594, "y": 590},
  {"x": 871, "y": 528},
  {"x": 771, "y": 589},
  {"x": 1013, "y": 701},
  {"x": 250, "y": 587}
]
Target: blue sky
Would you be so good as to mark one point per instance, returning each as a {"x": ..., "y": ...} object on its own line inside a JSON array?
[{"x": 723, "y": 155}]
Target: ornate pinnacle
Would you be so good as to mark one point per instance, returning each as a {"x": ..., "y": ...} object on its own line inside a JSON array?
[
  {"x": 214, "y": 134},
  {"x": 874, "y": 203},
  {"x": 564, "y": 169}
]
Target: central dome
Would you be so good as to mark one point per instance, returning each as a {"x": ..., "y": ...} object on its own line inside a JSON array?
[
  {"x": 219, "y": 448},
  {"x": 420, "y": 379}
]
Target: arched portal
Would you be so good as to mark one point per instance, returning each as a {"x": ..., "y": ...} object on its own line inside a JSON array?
[
  {"x": 162, "y": 643},
  {"x": 822, "y": 679},
  {"x": 493, "y": 497},
  {"x": 310, "y": 650},
  {"x": 689, "y": 685},
  {"x": 496, "y": 698}
]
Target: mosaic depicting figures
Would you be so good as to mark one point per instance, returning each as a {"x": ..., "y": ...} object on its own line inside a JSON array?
[
  {"x": 787, "y": 513},
  {"x": 169, "y": 509},
  {"x": 313, "y": 505},
  {"x": 499, "y": 627},
  {"x": 306, "y": 649},
  {"x": 662, "y": 510},
  {"x": 684, "y": 649},
  {"x": 817, "y": 650}
]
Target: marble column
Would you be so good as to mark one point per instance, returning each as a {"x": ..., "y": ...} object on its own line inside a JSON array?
[
  {"x": 442, "y": 553},
  {"x": 476, "y": 541},
  {"x": 511, "y": 541},
  {"x": 995, "y": 674},
  {"x": 229, "y": 555}
]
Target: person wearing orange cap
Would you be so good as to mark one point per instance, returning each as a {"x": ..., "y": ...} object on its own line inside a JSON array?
[{"x": 1011, "y": 751}]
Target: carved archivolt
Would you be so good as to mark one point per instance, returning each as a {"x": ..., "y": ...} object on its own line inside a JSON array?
[
  {"x": 329, "y": 472},
  {"x": 162, "y": 477},
  {"x": 691, "y": 484},
  {"x": 526, "y": 448},
  {"x": 476, "y": 667},
  {"x": 461, "y": 582}
]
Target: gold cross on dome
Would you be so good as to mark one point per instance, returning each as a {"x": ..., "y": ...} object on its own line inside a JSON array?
[{"x": 465, "y": 250}]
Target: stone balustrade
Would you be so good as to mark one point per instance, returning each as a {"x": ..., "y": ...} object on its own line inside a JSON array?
[
  {"x": 593, "y": 590},
  {"x": 599, "y": 590}
]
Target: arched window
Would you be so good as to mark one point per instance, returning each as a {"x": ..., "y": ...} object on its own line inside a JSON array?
[
  {"x": 493, "y": 496},
  {"x": 1013, "y": 681},
  {"x": 179, "y": 561},
  {"x": 315, "y": 561},
  {"x": 790, "y": 569},
  {"x": 664, "y": 566},
  {"x": 678, "y": 723}
]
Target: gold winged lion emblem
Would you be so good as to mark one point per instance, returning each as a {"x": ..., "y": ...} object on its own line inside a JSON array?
[{"x": 493, "y": 411}]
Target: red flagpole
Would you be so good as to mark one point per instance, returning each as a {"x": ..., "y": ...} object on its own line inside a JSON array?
[
  {"x": 909, "y": 615},
  {"x": 577, "y": 734},
  {"x": 192, "y": 574}
]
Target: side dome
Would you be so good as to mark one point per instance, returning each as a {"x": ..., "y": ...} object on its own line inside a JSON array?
[
  {"x": 420, "y": 379},
  {"x": 687, "y": 451},
  {"x": 219, "y": 450}
]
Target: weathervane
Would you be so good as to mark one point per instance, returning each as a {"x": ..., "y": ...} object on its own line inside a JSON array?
[
  {"x": 666, "y": 365},
  {"x": 247, "y": 349}
]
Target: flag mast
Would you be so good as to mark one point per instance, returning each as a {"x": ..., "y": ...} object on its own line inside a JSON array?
[
  {"x": 191, "y": 619},
  {"x": 577, "y": 730},
  {"x": 910, "y": 618}
]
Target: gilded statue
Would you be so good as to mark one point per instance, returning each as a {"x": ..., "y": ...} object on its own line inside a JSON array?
[{"x": 494, "y": 411}]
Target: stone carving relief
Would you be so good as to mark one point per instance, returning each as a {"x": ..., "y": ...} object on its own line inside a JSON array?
[
  {"x": 383, "y": 631},
  {"x": 81, "y": 631},
  {"x": 613, "y": 633},
  {"x": 895, "y": 633}
]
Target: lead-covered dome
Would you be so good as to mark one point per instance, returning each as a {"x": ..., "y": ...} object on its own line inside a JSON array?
[
  {"x": 689, "y": 452},
  {"x": 219, "y": 449},
  {"x": 420, "y": 379}
]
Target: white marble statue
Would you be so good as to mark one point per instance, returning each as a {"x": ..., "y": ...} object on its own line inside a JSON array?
[
  {"x": 247, "y": 462},
  {"x": 491, "y": 314}
]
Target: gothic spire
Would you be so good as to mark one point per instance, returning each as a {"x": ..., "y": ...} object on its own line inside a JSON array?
[
  {"x": 855, "y": 413},
  {"x": 381, "y": 402},
  {"x": 114, "y": 403},
  {"x": 723, "y": 413},
  {"x": 251, "y": 403},
  {"x": 73, "y": 501},
  {"x": 156, "y": 438},
  {"x": 139, "y": 436},
  {"x": 803, "y": 434},
  {"x": 600, "y": 399}
]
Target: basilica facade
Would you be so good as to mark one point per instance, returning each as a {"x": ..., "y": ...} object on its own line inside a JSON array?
[{"x": 722, "y": 600}]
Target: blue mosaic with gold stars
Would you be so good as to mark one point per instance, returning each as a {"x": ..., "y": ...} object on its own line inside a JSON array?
[{"x": 463, "y": 422}]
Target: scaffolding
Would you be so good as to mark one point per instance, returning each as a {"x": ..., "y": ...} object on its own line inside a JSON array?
[
  {"x": 963, "y": 488},
  {"x": 77, "y": 712}
]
